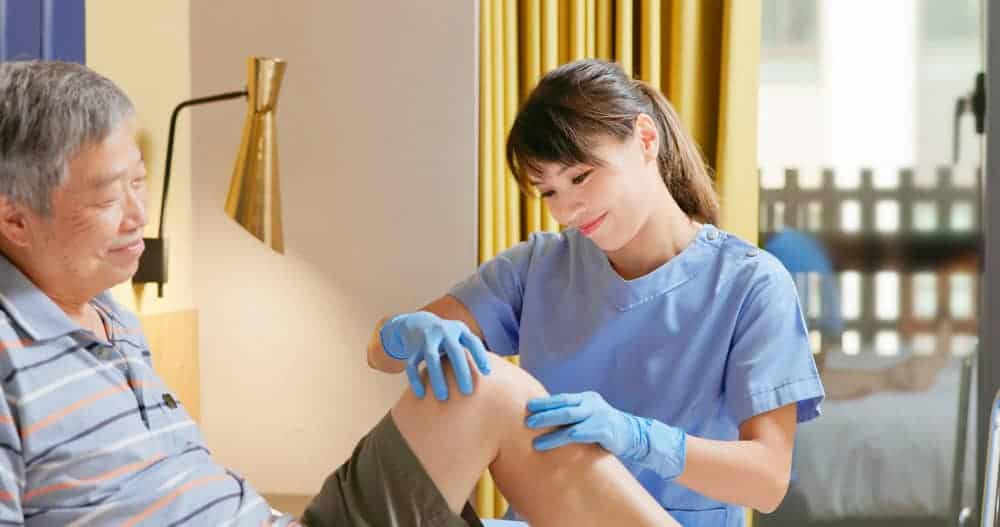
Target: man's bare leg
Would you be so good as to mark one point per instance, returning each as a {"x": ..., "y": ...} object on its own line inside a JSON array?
[{"x": 576, "y": 485}]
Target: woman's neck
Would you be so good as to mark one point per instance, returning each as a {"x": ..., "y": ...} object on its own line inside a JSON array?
[{"x": 664, "y": 235}]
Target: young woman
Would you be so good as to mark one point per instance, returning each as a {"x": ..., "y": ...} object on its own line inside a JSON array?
[{"x": 671, "y": 343}]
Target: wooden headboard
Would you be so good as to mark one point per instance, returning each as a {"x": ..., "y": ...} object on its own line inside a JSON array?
[{"x": 173, "y": 341}]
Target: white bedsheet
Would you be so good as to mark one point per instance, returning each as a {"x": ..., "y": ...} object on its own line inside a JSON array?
[{"x": 888, "y": 454}]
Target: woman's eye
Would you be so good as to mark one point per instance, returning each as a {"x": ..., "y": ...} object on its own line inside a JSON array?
[
  {"x": 548, "y": 193},
  {"x": 581, "y": 178}
]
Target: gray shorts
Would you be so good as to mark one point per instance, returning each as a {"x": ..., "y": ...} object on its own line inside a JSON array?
[{"x": 383, "y": 485}]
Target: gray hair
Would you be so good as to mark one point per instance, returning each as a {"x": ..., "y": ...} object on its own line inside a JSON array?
[{"x": 49, "y": 111}]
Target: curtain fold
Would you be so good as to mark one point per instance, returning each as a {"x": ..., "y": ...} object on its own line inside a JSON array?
[{"x": 703, "y": 54}]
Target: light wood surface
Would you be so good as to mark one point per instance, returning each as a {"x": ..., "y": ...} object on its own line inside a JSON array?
[{"x": 173, "y": 341}]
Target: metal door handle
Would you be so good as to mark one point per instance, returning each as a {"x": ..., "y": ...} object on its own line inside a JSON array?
[{"x": 974, "y": 102}]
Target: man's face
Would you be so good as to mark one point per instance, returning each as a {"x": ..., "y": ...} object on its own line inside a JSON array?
[{"x": 92, "y": 238}]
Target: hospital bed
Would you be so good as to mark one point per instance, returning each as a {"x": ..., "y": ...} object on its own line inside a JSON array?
[{"x": 888, "y": 459}]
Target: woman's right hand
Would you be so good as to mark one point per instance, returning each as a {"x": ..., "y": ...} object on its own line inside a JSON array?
[{"x": 425, "y": 337}]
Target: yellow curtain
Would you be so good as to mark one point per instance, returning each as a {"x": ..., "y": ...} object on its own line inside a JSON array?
[{"x": 703, "y": 54}]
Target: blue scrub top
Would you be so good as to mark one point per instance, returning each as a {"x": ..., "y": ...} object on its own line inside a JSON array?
[{"x": 704, "y": 342}]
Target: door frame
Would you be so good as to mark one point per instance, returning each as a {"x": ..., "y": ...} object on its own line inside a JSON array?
[{"x": 989, "y": 301}]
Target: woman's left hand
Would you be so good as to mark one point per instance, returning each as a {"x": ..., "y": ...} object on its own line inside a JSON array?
[{"x": 587, "y": 418}]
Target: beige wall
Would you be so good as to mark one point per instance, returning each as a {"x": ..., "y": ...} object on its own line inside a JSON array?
[
  {"x": 377, "y": 129},
  {"x": 145, "y": 48}
]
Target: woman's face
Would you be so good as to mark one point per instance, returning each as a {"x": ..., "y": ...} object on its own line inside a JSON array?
[{"x": 609, "y": 201}]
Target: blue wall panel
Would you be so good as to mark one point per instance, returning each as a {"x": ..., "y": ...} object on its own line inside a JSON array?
[
  {"x": 63, "y": 25},
  {"x": 42, "y": 29},
  {"x": 20, "y": 30}
]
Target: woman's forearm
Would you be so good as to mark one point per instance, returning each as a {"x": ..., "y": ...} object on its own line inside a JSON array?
[{"x": 747, "y": 473}]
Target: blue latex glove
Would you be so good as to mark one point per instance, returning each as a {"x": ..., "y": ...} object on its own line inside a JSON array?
[
  {"x": 587, "y": 418},
  {"x": 425, "y": 337}
]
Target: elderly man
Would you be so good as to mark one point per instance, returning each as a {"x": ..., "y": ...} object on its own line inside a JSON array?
[{"x": 89, "y": 433}]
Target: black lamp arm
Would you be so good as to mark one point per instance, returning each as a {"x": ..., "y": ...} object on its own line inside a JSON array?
[
  {"x": 170, "y": 144},
  {"x": 153, "y": 262}
]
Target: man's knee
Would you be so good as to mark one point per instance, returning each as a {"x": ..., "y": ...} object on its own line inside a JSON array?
[
  {"x": 508, "y": 388},
  {"x": 502, "y": 395},
  {"x": 509, "y": 382},
  {"x": 505, "y": 394}
]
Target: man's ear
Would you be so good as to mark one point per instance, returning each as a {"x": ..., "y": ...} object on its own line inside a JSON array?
[{"x": 14, "y": 222}]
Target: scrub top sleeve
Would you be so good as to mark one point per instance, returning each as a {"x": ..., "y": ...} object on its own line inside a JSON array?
[
  {"x": 494, "y": 295},
  {"x": 770, "y": 364}
]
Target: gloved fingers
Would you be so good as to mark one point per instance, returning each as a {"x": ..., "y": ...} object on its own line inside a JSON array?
[
  {"x": 553, "y": 440},
  {"x": 479, "y": 354},
  {"x": 593, "y": 432},
  {"x": 413, "y": 374},
  {"x": 554, "y": 401},
  {"x": 438, "y": 385},
  {"x": 459, "y": 363},
  {"x": 566, "y": 415}
]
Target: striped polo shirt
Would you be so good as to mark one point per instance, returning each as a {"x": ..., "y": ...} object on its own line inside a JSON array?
[{"x": 90, "y": 435}]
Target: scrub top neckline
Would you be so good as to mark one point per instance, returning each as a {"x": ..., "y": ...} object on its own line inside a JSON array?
[{"x": 628, "y": 294}]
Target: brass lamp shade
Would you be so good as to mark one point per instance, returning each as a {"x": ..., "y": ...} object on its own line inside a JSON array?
[{"x": 254, "y": 199}]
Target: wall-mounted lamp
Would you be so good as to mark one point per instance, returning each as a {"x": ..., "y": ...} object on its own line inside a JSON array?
[{"x": 254, "y": 199}]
